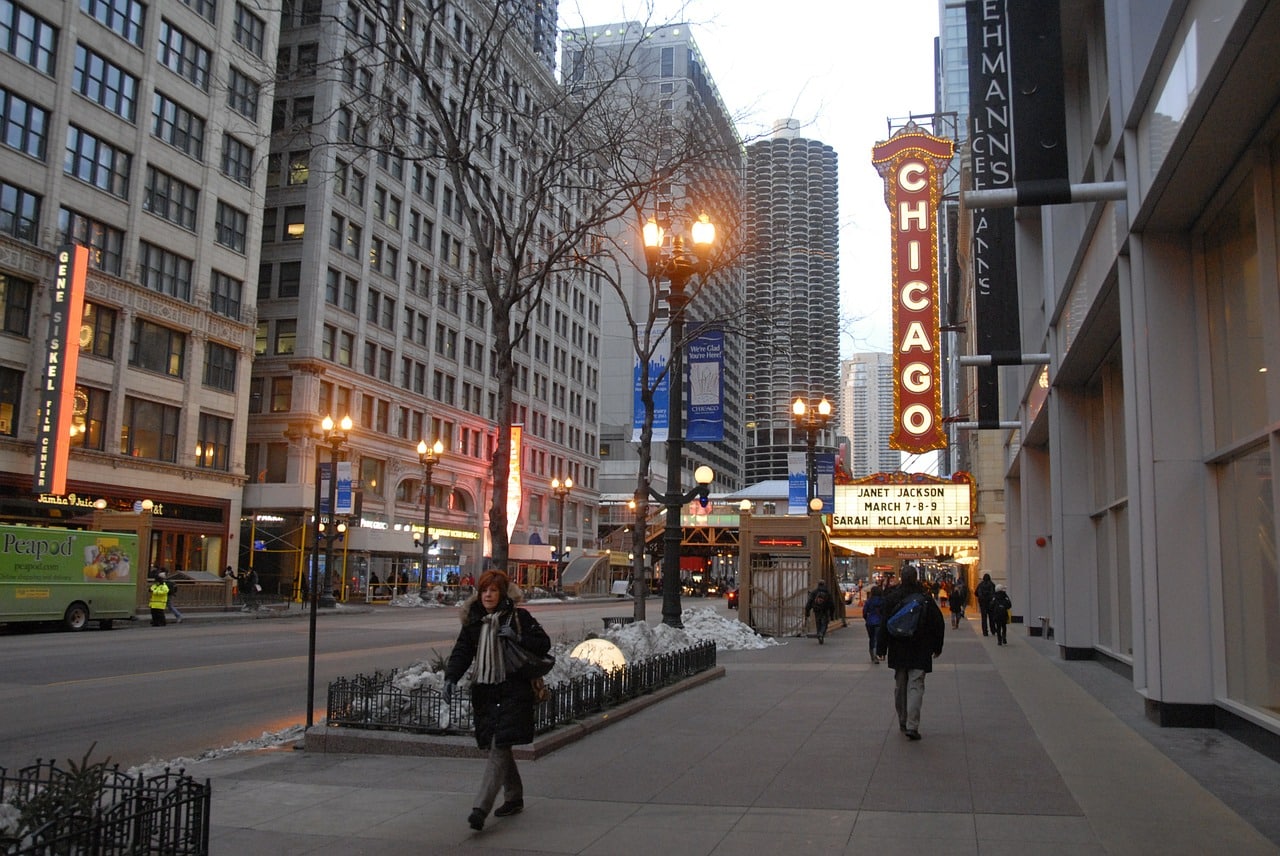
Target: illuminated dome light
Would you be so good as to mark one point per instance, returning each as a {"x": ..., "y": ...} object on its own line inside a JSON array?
[{"x": 601, "y": 652}]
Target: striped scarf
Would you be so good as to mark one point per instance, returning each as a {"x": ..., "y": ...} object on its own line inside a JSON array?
[{"x": 490, "y": 668}]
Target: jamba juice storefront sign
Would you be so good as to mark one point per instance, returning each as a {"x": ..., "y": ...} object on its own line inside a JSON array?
[{"x": 912, "y": 164}]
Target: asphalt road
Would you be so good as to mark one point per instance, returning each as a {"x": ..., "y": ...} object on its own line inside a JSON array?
[{"x": 138, "y": 693}]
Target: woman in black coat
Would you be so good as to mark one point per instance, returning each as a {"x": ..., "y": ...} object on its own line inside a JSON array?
[{"x": 503, "y": 707}]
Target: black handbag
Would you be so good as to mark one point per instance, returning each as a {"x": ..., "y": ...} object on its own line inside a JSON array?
[{"x": 522, "y": 663}]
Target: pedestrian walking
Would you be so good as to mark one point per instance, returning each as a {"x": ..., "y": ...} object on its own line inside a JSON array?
[
  {"x": 1000, "y": 607},
  {"x": 957, "y": 600},
  {"x": 502, "y": 708},
  {"x": 249, "y": 588},
  {"x": 823, "y": 606},
  {"x": 173, "y": 606},
  {"x": 159, "y": 599},
  {"x": 871, "y": 616},
  {"x": 986, "y": 588},
  {"x": 911, "y": 658}
]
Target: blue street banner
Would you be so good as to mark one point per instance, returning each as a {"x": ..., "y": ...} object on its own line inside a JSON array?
[
  {"x": 661, "y": 395},
  {"x": 797, "y": 484},
  {"x": 825, "y": 464},
  {"x": 705, "y": 358},
  {"x": 344, "y": 493}
]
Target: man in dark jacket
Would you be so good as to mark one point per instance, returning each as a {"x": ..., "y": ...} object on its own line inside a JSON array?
[
  {"x": 823, "y": 606},
  {"x": 911, "y": 659},
  {"x": 984, "y": 592}
]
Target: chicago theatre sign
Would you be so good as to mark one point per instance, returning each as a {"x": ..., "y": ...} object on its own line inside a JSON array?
[{"x": 912, "y": 163}]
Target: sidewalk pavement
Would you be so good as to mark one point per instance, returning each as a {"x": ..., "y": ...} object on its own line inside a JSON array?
[{"x": 796, "y": 750}]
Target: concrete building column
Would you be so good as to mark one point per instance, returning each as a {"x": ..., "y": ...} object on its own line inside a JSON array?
[{"x": 1169, "y": 507}]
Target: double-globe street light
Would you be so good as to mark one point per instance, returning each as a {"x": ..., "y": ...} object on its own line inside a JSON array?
[
  {"x": 811, "y": 420},
  {"x": 677, "y": 267},
  {"x": 430, "y": 456},
  {"x": 561, "y": 491},
  {"x": 334, "y": 435}
]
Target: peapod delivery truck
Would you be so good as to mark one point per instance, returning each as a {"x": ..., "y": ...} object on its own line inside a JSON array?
[{"x": 70, "y": 575}]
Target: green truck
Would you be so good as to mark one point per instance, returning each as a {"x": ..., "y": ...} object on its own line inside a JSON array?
[{"x": 69, "y": 575}]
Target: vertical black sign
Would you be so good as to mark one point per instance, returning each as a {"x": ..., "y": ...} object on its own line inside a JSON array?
[
  {"x": 994, "y": 254},
  {"x": 1039, "y": 112}
]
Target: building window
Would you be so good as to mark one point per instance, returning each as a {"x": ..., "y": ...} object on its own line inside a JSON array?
[
  {"x": 220, "y": 366},
  {"x": 105, "y": 243},
  {"x": 150, "y": 430},
  {"x": 286, "y": 336},
  {"x": 163, "y": 271},
  {"x": 19, "y": 212},
  {"x": 213, "y": 449},
  {"x": 231, "y": 227},
  {"x": 242, "y": 94},
  {"x": 295, "y": 223},
  {"x": 107, "y": 84},
  {"x": 28, "y": 37},
  {"x": 224, "y": 295},
  {"x": 281, "y": 394},
  {"x": 24, "y": 126},
  {"x": 10, "y": 400},
  {"x": 290, "y": 279},
  {"x": 183, "y": 55},
  {"x": 299, "y": 167},
  {"x": 171, "y": 199},
  {"x": 89, "y": 418},
  {"x": 249, "y": 30},
  {"x": 237, "y": 160},
  {"x": 156, "y": 348},
  {"x": 204, "y": 8},
  {"x": 373, "y": 476},
  {"x": 177, "y": 126},
  {"x": 125, "y": 18},
  {"x": 15, "y": 301},
  {"x": 255, "y": 394},
  {"x": 98, "y": 331},
  {"x": 97, "y": 162}
]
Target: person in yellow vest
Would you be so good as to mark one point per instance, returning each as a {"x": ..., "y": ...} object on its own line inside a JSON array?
[{"x": 159, "y": 600}]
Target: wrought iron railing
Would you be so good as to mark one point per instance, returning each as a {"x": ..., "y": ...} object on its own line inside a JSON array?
[
  {"x": 375, "y": 702},
  {"x": 99, "y": 811}
]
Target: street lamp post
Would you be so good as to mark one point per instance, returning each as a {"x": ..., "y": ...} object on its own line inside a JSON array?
[
  {"x": 811, "y": 421},
  {"x": 335, "y": 436},
  {"x": 430, "y": 456},
  {"x": 561, "y": 490},
  {"x": 677, "y": 268}
]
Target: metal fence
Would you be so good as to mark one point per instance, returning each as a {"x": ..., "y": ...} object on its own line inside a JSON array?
[
  {"x": 375, "y": 702},
  {"x": 99, "y": 811}
]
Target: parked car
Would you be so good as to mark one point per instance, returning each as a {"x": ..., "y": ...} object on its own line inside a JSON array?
[{"x": 732, "y": 597}]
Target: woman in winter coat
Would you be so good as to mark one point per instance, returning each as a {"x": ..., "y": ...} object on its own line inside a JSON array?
[
  {"x": 503, "y": 707},
  {"x": 871, "y": 615}
]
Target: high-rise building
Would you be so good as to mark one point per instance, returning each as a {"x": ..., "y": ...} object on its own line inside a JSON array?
[
  {"x": 866, "y": 413},
  {"x": 370, "y": 297},
  {"x": 137, "y": 130},
  {"x": 791, "y": 262},
  {"x": 675, "y": 86}
]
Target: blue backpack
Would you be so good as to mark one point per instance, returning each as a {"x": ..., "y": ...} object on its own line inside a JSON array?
[{"x": 905, "y": 621}]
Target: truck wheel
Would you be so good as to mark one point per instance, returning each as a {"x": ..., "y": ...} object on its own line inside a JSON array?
[{"x": 77, "y": 616}]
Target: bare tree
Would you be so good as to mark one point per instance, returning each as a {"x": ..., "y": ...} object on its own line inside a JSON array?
[{"x": 541, "y": 172}]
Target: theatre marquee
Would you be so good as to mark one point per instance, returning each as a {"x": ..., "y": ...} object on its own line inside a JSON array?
[{"x": 898, "y": 504}]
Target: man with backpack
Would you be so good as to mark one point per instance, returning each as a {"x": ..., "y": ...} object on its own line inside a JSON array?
[
  {"x": 823, "y": 607},
  {"x": 912, "y": 630},
  {"x": 984, "y": 592}
]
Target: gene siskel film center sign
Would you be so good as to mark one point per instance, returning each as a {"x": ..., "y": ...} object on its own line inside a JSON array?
[{"x": 904, "y": 504}]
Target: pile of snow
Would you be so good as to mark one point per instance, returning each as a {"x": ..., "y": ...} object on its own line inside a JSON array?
[{"x": 435, "y": 598}]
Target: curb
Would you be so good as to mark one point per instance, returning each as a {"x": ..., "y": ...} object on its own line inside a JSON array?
[{"x": 360, "y": 741}]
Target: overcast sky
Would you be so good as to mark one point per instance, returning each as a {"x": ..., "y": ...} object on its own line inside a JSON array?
[{"x": 843, "y": 69}]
